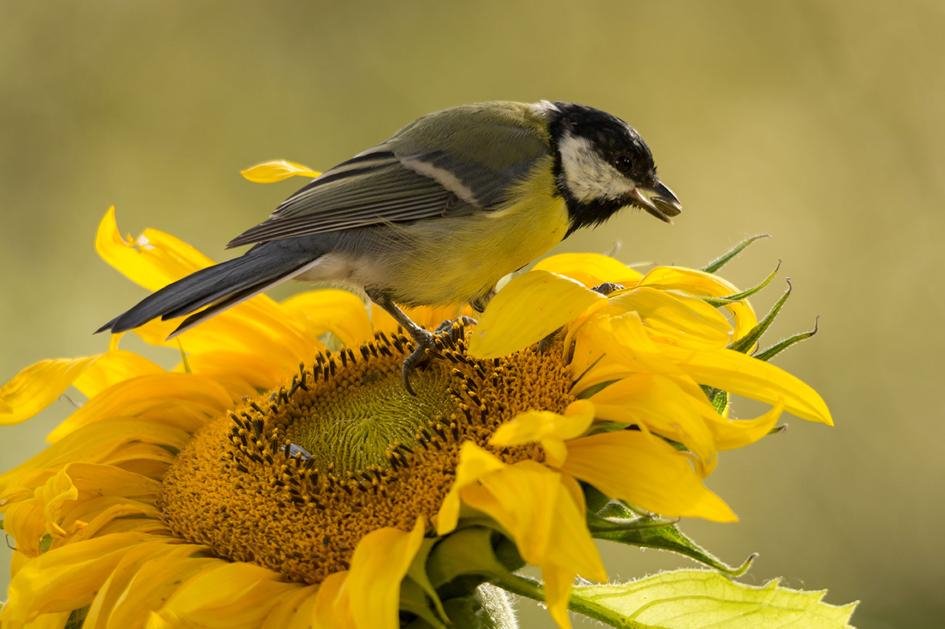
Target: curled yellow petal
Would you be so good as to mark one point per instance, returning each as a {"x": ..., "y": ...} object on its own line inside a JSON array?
[
  {"x": 474, "y": 462},
  {"x": 591, "y": 269},
  {"x": 152, "y": 260},
  {"x": 181, "y": 400},
  {"x": 646, "y": 472},
  {"x": 340, "y": 312},
  {"x": 144, "y": 578},
  {"x": 548, "y": 428},
  {"x": 37, "y": 386},
  {"x": 743, "y": 375},
  {"x": 48, "y": 583},
  {"x": 224, "y": 595},
  {"x": 378, "y": 565},
  {"x": 705, "y": 284},
  {"x": 685, "y": 319},
  {"x": 662, "y": 406},
  {"x": 535, "y": 505},
  {"x": 111, "y": 368},
  {"x": 277, "y": 170},
  {"x": 529, "y": 308},
  {"x": 332, "y": 609}
]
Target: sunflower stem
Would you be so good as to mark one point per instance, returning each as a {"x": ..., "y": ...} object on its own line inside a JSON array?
[{"x": 532, "y": 588}]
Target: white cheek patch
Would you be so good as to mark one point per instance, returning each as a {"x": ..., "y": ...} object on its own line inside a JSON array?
[{"x": 586, "y": 173}]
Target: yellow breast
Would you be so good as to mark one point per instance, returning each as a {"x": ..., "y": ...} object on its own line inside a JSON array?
[{"x": 455, "y": 260}]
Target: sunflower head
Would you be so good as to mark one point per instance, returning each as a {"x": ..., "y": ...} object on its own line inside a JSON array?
[{"x": 282, "y": 475}]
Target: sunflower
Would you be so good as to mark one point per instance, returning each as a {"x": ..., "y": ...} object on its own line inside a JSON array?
[{"x": 280, "y": 476}]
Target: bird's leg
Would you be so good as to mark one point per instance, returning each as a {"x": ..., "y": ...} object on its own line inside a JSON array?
[{"x": 422, "y": 338}]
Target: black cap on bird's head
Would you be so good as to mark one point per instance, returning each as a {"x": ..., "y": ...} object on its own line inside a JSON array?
[{"x": 603, "y": 165}]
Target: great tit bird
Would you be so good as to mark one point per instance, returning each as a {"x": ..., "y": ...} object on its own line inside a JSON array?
[{"x": 436, "y": 214}]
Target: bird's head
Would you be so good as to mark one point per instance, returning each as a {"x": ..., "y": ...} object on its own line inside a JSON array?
[{"x": 602, "y": 165}]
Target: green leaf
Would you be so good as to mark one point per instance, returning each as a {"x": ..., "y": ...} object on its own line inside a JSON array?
[
  {"x": 750, "y": 339},
  {"x": 723, "y": 259},
  {"x": 783, "y": 344},
  {"x": 745, "y": 294},
  {"x": 625, "y": 526},
  {"x": 700, "y": 598}
]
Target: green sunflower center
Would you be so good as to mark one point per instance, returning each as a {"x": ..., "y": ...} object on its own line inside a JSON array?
[
  {"x": 351, "y": 426},
  {"x": 295, "y": 478}
]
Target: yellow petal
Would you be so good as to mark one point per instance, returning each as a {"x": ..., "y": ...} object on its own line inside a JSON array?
[
  {"x": 185, "y": 401},
  {"x": 277, "y": 170},
  {"x": 705, "y": 284},
  {"x": 685, "y": 319},
  {"x": 65, "y": 578},
  {"x": 529, "y": 308},
  {"x": 155, "y": 259},
  {"x": 340, "y": 312},
  {"x": 548, "y": 428},
  {"x": 646, "y": 472},
  {"x": 378, "y": 565},
  {"x": 152, "y": 260},
  {"x": 662, "y": 406},
  {"x": 224, "y": 595},
  {"x": 95, "y": 443},
  {"x": 293, "y": 610},
  {"x": 735, "y": 433},
  {"x": 474, "y": 462},
  {"x": 591, "y": 269},
  {"x": 611, "y": 347},
  {"x": 743, "y": 375},
  {"x": 37, "y": 386},
  {"x": 332, "y": 609},
  {"x": 546, "y": 520},
  {"x": 144, "y": 578},
  {"x": 111, "y": 368},
  {"x": 558, "y": 581}
]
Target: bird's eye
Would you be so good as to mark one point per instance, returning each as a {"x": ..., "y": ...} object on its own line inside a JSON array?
[{"x": 623, "y": 162}]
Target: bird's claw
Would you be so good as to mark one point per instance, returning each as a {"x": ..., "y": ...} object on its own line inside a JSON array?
[{"x": 426, "y": 345}]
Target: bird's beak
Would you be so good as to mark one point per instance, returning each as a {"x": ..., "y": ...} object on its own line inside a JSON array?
[{"x": 658, "y": 201}]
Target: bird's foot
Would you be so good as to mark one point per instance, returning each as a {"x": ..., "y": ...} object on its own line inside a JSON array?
[{"x": 428, "y": 344}]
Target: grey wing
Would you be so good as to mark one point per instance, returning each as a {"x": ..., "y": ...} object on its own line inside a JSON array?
[
  {"x": 395, "y": 182},
  {"x": 371, "y": 188}
]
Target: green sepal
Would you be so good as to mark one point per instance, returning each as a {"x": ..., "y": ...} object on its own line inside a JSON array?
[
  {"x": 619, "y": 523},
  {"x": 718, "y": 302},
  {"x": 183, "y": 357},
  {"x": 414, "y": 599},
  {"x": 700, "y": 598},
  {"x": 717, "y": 397},
  {"x": 594, "y": 389},
  {"x": 783, "y": 344},
  {"x": 470, "y": 556},
  {"x": 45, "y": 542},
  {"x": 747, "y": 342},
  {"x": 723, "y": 259},
  {"x": 417, "y": 573}
]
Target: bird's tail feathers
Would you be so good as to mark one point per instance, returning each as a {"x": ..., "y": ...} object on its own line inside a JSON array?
[{"x": 218, "y": 287}]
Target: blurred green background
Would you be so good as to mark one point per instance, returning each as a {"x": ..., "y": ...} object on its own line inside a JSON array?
[{"x": 821, "y": 123}]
